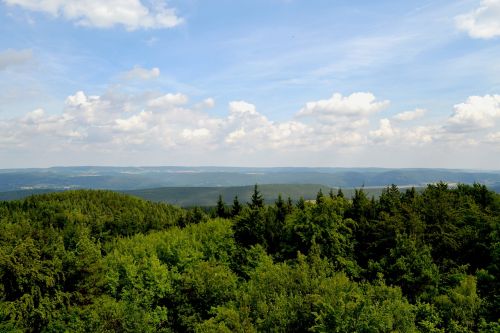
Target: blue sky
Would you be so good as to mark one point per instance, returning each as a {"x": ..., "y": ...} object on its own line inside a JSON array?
[{"x": 261, "y": 83}]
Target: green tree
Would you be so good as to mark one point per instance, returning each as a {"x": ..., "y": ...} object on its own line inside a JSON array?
[
  {"x": 410, "y": 266},
  {"x": 221, "y": 209},
  {"x": 319, "y": 196},
  {"x": 257, "y": 200},
  {"x": 236, "y": 207},
  {"x": 281, "y": 209}
]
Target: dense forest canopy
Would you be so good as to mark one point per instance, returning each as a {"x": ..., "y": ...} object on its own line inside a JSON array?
[{"x": 98, "y": 261}]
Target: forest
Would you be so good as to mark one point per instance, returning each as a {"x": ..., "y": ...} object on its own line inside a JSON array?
[{"x": 100, "y": 261}]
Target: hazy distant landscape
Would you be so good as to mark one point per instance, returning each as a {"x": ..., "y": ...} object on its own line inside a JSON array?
[{"x": 190, "y": 186}]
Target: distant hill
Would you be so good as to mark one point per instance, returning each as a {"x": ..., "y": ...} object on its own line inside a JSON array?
[
  {"x": 21, "y": 194},
  {"x": 133, "y": 178},
  {"x": 208, "y": 196}
]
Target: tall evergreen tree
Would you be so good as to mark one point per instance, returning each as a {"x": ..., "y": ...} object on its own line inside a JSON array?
[
  {"x": 319, "y": 196},
  {"x": 340, "y": 194},
  {"x": 301, "y": 204},
  {"x": 257, "y": 199},
  {"x": 281, "y": 209},
  {"x": 221, "y": 207},
  {"x": 236, "y": 208},
  {"x": 289, "y": 205},
  {"x": 360, "y": 206}
]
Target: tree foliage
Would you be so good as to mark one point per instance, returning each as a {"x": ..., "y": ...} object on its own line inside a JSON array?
[{"x": 98, "y": 261}]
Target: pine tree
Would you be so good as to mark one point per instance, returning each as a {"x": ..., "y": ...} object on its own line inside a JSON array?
[
  {"x": 281, "y": 209},
  {"x": 289, "y": 205},
  {"x": 340, "y": 194},
  {"x": 301, "y": 204},
  {"x": 236, "y": 208},
  {"x": 221, "y": 207},
  {"x": 257, "y": 199},
  {"x": 319, "y": 196}
]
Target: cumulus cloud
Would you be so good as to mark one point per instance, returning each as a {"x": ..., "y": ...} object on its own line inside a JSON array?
[
  {"x": 246, "y": 128},
  {"x": 410, "y": 115},
  {"x": 168, "y": 100},
  {"x": 140, "y": 73},
  {"x": 422, "y": 134},
  {"x": 483, "y": 22},
  {"x": 10, "y": 58},
  {"x": 138, "y": 122},
  {"x": 207, "y": 103},
  {"x": 115, "y": 122},
  {"x": 33, "y": 116},
  {"x": 235, "y": 136},
  {"x": 164, "y": 122},
  {"x": 242, "y": 108},
  {"x": 195, "y": 134},
  {"x": 89, "y": 109},
  {"x": 384, "y": 132},
  {"x": 478, "y": 112},
  {"x": 131, "y": 14},
  {"x": 360, "y": 104}
]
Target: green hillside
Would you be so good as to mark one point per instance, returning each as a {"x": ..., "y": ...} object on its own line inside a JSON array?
[
  {"x": 207, "y": 196},
  {"x": 100, "y": 261}
]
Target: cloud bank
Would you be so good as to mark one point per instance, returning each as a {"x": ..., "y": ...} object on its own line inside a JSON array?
[
  {"x": 131, "y": 14},
  {"x": 171, "y": 124}
]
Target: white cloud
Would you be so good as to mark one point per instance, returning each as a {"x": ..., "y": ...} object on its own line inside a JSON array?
[
  {"x": 235, "y": 136},
  {"x": 384, "y": 132},
  {"x": 360, "y": 104},
  {"x": 478, "y": 112},
  {"x": 33, "y": 116},
  {"x": 167, "y": 122},
  {"x": 195, "y": 134},
  {"x": 248, "y": 130},
  {"x": 207, "y": 103},
  {"x": 139, "y": 73},
  {"x": 132, "y": 14},
  {"x": 168, "y": 100},
  {"x": 115, "y": 123},
  {"x": 483, "y": 22},
  {"x": 410, "y": 115},
  {"x": 10, "y": 58},
  {"x": 421, "y": 135},
  {"x": 241, "y": 108},
  {"x": 134, "y": 123},
  {"x": 88, "y": 109}
]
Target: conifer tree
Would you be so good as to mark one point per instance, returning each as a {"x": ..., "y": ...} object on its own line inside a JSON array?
[
  {"x": 289, "y": 205},
  {"x": 301, "y": 204},
  {"x": 221, "y": 207},
  {"x": 257, "y": 199},
  {"x": 319, "y": 196},
  {"x": 236, "y": 208},
  {"x": 281, "y": 209}
]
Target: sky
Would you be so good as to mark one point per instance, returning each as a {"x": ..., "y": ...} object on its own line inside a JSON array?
[{"x": 250, "y": 83}]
